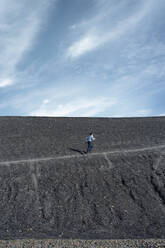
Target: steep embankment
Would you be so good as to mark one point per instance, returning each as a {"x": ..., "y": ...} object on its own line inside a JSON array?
[{"x": 49, "y": 189}]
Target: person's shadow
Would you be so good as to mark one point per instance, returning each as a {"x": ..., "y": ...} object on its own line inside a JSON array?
[{"x": 76, "y": 150}]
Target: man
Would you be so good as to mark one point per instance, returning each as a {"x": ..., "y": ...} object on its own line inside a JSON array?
[{"x": 90, "y": 140}]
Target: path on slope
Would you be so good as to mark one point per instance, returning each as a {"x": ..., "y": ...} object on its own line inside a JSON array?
[{"x": 85, "y": 155}]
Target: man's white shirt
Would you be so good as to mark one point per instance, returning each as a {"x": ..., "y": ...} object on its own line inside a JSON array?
[{"x": 90, "y": 138}]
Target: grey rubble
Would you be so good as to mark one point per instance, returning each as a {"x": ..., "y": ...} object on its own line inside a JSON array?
[
  {"x": 50, "y": 190},
  {"x": 64, "y": 243}
]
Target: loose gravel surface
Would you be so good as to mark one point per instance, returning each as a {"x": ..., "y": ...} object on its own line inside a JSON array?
[
  {"x": 50, "y": 243},
  {"x": 35, "y": 137},
  {"x": 50, "y": 189}
]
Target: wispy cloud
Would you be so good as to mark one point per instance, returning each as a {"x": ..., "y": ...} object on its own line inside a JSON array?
[
  {"x": 78, "y": 107},
  {"x": 136, "y": 113},
  {"x": 6, "y": 82},
  {"x": 95, "y": 38},
  {"x": 19, "y": 23},
  {"x": 87, "y": 43}
]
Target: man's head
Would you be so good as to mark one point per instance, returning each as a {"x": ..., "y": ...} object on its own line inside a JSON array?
[{"x": 91, "y": 133}]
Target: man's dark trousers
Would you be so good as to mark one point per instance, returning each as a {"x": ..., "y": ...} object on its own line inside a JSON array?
[{"x": 90, "y": 146}]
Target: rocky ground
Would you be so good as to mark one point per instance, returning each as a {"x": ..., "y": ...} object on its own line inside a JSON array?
[
  {"x": 65, "y": 243},
  {"x": 49, "y": 189}
]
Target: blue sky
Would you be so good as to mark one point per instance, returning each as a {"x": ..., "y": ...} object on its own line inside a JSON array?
[{"x": 82, "y": 58}]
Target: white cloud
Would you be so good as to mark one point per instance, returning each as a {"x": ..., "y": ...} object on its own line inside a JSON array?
[
  {"x": 6, "y": 82},
  {"x": 135, "y": 113},
  {"x": 79, "y": 107},
  {"x": 86, "y": 44},
  {"x": 143, "y": 112},
  {"x": 95, "y": 38}
]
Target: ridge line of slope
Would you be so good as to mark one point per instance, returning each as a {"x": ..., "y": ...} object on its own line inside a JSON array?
[{"x": 85, "y": 155}]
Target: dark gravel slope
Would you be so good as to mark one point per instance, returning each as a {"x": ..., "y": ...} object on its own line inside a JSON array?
[
  {"x": 118, "y": 195},
  {"x": 27, "y": 137}
]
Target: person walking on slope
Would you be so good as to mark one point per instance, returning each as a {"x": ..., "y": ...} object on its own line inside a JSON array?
[{"x": 90, "y": 140}]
